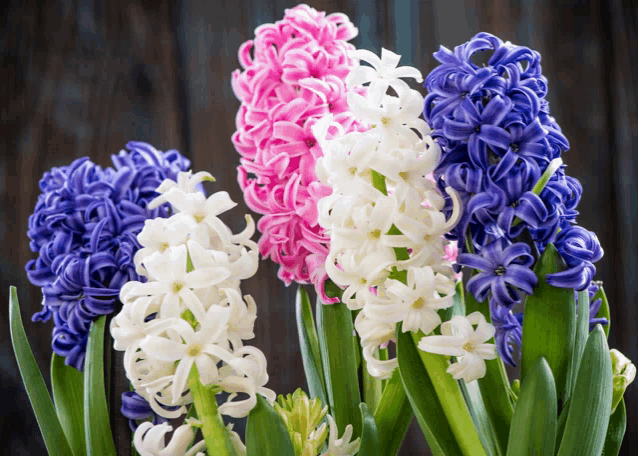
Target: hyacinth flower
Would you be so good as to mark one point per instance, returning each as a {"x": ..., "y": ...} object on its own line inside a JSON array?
[
  {"x": 388, "y": 255},
  {"x": 292, "y": 74},
  {"x": 183, "y": 329},
  {"x": 501, "y": 150},
  {"x": 84, "y": 229},
  {"x": 518, "y": 237}
]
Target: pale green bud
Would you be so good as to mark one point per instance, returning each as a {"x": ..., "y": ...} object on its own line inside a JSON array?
[
  {"x": 302, "y": 416},
  {"x": 623, "y": 373}
]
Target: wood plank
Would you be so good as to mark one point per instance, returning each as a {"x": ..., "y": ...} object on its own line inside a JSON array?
[
  {"x": 86, "y": 78},
  {"x": 621, "y": 59}
]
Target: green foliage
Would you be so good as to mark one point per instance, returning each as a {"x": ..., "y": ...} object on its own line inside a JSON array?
[
  {"x": 549, "y": 324},
  {"x": 533, "y": 430},
  {"x": 67, "y": 384},
  {"x": 98, "y": 436},
  {"x": 45, "y": 413},
  {"x": 266, "y": 433},
  {"x": 337, "y": 346},
  {"x": 588, "y": 418}
]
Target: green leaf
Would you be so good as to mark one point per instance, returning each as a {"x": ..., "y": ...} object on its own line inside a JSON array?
[
  {"x": 393, "y": 415},
  {"x": 424, "y": 400},
  {"x": 588, "y": 418},
  {"x": 452, "y": 401},
  {"x": 369, "y": 435},
  {"x": 580, "y": 338},
  {"x": 533, "y": 430},
  {"x": 494, "y": 387},
  {"x": 213, "y": 430},
  {"x": 472, "y": 392},
  {"x": 603, "y": 312},
  {"x": 52, "y": 432},
  {"x": 309, "y": 343},
  {"x": 549, "y": 324},
  {"x": 99, "y": 439},
  {"x": 266, "y": 433},
  {"x": 616, "y": 431},
  {"x": 336, "y": 342},
  {"x": 67, "y": 384},
  {"x": 480, "y": 417}
]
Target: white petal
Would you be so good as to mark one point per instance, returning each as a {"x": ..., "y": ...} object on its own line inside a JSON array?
[
  {"x": 442, "y": 345},
  {"x": 181, "y": 377}
]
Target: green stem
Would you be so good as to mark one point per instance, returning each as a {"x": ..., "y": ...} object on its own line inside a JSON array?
[
  {"x": 372, "y": 388},
  {"x": 213, "y": 428},
  {"x": 542, "y": 182}
]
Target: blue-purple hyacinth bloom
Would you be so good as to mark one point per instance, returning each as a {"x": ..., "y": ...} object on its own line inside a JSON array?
[
  {"x": 503, "y": 271},
  {"x": 498, "y": 138},
  {"x": 84, "y": 228},
  {"x": 135, "y": 408}
]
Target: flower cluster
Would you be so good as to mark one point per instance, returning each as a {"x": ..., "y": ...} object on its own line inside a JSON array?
[
  {"x": 188, "y": 319},
  {"x": 384, "y": 216},
  {"x": 501, "y": 152},
  {"x": 150, "y": 440},
  {"x": 295, "y": 76},
  {"x": 84, "y": 229}
]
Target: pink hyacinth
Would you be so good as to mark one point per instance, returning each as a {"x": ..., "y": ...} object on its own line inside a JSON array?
[{"x": 295, "y": 76}]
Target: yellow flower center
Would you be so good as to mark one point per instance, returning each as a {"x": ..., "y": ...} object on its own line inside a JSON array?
[
  {"x": 418, "y": 304},
  {"x": 194, "y": 350},
  {"x": 468, "y": 346},
  {"x": 163, "y": 246},
  {"x": 177, "y": 287},
  {"x": 386, "y": 121},
  {"x": 404, "y": 175},
  {"x": 374, "y": 234},
  {"x": 353, "y": 170},
  {"x": 199, "y": 218}
]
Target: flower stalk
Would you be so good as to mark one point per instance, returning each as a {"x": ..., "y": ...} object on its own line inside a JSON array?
[{"x": 212, "y": 426}]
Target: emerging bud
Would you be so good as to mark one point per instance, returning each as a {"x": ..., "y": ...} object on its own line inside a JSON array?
[
  {"x": 302, "y": 417},
  {"x": 623, "y": 373}
]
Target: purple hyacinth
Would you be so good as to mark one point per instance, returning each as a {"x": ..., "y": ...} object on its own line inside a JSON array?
[
  {"x": 498, "y": 139},
  {"x": 136, "y": 408},
  {"x": 580, "y": 249},
  {"x": 84, "y": 228},
  {"x": 509, "y": 331},
  {"x": 503, "y": 272}
]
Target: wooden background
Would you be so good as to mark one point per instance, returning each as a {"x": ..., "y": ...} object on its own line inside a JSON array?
[{"x": 82, "y": 77}]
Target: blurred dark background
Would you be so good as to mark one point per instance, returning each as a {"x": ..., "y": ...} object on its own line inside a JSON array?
[{"x": 83, "y": 77}]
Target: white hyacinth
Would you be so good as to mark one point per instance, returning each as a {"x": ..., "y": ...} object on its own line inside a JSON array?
[
  {"x": 469, "y": 345},
  {"x": 383, "y": 204},
  {"x": 190, "y": 313}
]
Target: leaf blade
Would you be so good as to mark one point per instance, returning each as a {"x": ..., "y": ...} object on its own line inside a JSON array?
[
  {"x": 423, "y": 399},
  {"x": 266, "y": 433},
  {"x": 616, "y": 430},
  {"x": 98, "y": 436},
  {"x": 549, "y": 324},
  {"x": 393, "y": 415},
  {"x": 309, "y": 345},
  {"x": 533, "y": 430},
  {"x": 588, "y": 417},
  {"x": 67, "y": 385},
  {"x": 494, "y": 387},
  {"x": 336, "y": 343},
  {"x": 39, "y": 397},
  {"x": 369, "y": 433}
]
